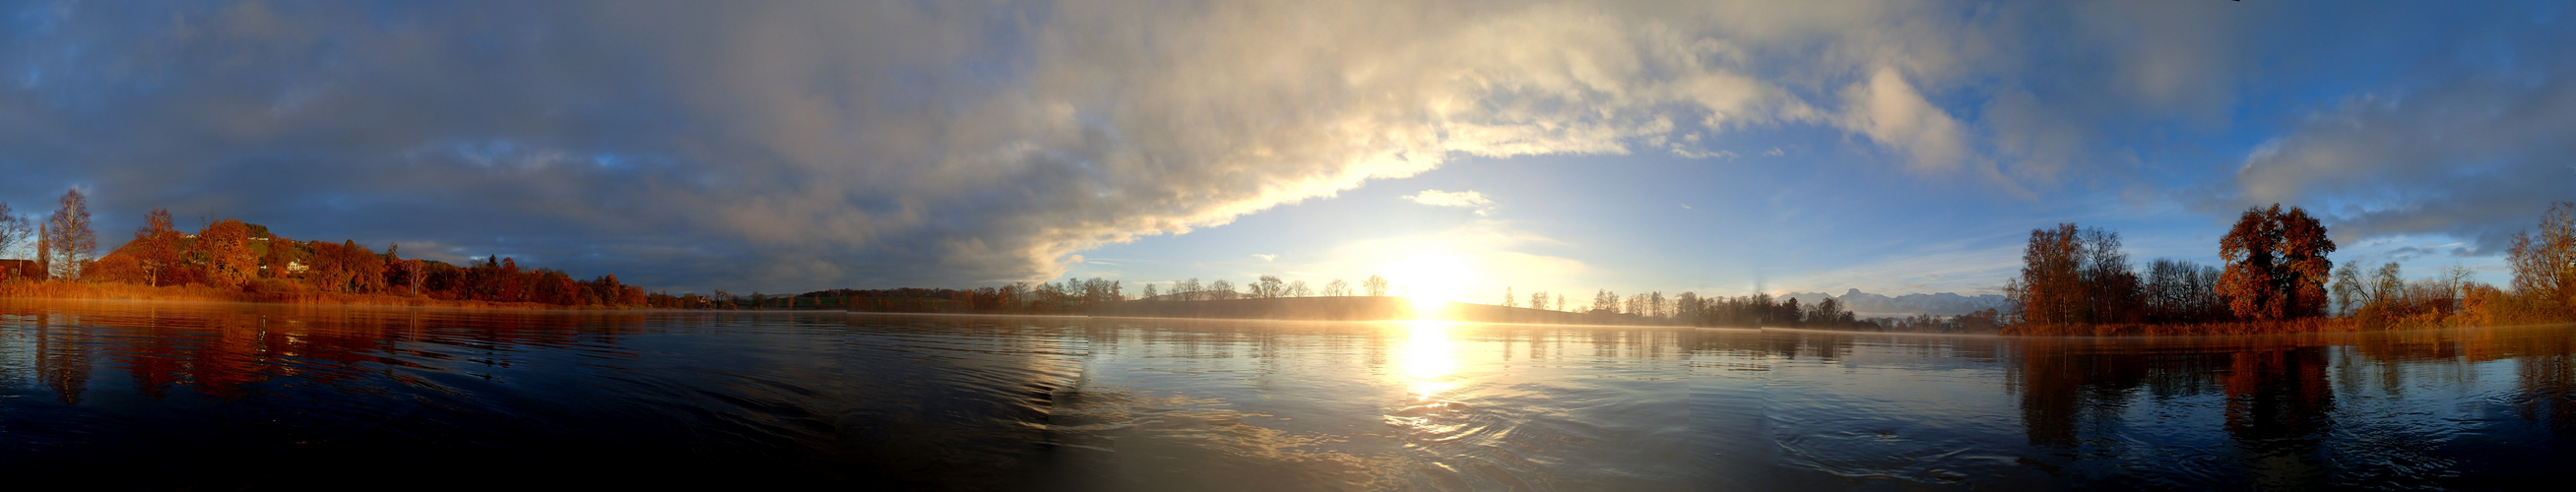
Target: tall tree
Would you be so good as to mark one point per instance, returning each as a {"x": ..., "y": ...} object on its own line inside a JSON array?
[
  {"x": 156, "y": 246},
  {"x": 73, "y": 243},
  {"x": 229, "y": 259},
  {"x": 2544, "y": 266},
  {"x": 2276, "y": 265},
  {"x": 2050, "y": 288},
  {"x": 1337, "y": 288},
  {"x": 1268, "y": 286},
  {"x": 2110, "y": 286},
  {"x": 1508, "y": 299},
  {"x": 2304, "y": 267},
  {"x": 2348, "y": 289},
  {"x": 14, "y": 230},
  {"x": 1375, "y": 285}
]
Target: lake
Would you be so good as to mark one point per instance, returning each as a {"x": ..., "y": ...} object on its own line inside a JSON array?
[{"x": 171, "y": 395}]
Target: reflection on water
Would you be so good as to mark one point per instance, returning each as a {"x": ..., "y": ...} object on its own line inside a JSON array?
[
  {"x": 144, "y": 395},
  {"x": 2468, "y": 408}
]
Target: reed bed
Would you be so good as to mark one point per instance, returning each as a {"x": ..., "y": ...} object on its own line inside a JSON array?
[
  {"x": 268, "y": 291},
  {"x": 2307, "y": 325}
]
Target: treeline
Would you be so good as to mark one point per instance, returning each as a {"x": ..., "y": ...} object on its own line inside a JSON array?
[
  {"x": 2277, "y": 278},
  {"x": 1069, "y": 296},
  {"x": 233, "y": 256}
]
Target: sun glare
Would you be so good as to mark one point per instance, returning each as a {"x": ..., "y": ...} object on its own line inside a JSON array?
[{"x": 1431, "y": 281}]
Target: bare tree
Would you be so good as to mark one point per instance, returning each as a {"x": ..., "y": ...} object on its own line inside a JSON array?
[
  {"x": 1220, "y": 289},
  {"x": 2347, "y": 287},
  {"x": 15, "y": 231},
  {"x": 1268, "y": 286},
  {"x": 1149, "y": 292},
  {"x": 1538, "y": 300},
  {"x": 73, "y": 243},
  {"x": 1510, "y": 300},
  {"x": 1298, "y": 289},
  {"x": 1337, "y": 288},
  {"x": 2390, "y": 283},
  {"x": 1376, "y": 286},
  {"x": 2544, "y": 266}
]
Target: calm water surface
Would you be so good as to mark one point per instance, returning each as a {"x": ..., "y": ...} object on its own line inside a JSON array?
[{"x": 156, "y": 395}]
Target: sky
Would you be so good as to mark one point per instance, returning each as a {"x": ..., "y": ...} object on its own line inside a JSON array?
[{"x": 1459, "y": 148}]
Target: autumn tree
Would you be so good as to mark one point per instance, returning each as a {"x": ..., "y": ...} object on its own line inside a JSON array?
[
  {"x": 1375, "y": 285},
  {"x": 2544, "y": 266},
  {"x": 69, "y": 237},
  {"x": 2050, "y": 288},
  {"x": 229, "y": 261},
  {"x": 2276, "y": 265},
  {"x": 156, "y": 246}
]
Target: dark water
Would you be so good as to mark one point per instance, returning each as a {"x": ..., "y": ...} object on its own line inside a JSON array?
[{"x": 167, "y": 396}]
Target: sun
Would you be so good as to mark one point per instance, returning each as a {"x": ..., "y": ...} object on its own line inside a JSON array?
[{"x": 1431, "y": 280}]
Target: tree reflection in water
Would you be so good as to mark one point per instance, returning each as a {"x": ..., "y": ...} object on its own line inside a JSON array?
[{"x": 2426, "y": 408}]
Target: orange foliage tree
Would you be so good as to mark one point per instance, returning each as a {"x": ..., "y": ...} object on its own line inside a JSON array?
[
  {"x": 2276, "y": 265},
  {"x": 225, "y": 247},
  {"x": 156, "y": 247}
]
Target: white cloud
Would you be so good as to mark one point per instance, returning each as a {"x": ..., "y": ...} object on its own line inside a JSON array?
[
  {"x": 1460, "y": 199},
  {"x": 1890, "y": 111},
  {"x": 1265, "y": 258},
  {"x": 2477, "y": 157}
]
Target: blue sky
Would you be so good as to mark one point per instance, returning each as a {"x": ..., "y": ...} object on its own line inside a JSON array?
[{"x": 1717, "y": 147}]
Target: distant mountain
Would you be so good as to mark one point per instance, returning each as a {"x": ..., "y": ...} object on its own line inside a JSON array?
[{"x": 1869, "y": 305}]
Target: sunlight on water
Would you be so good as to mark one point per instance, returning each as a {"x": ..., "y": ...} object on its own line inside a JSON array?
[
  {"x": 205, "y": 392},
  {"x": 1429, "y": 358}
]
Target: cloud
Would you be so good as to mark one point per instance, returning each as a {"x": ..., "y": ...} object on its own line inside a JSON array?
[
  {"x": 2477, "y": 157},
  {"x": 1265, "y": 258},
  {"x": 790, "y": 145},
  {"x": 1889, "y": 110},
  {"x": 1461, "y": 199},
  {"x": 784, "y": 145}
]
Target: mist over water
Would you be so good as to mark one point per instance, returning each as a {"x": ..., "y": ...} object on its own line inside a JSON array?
[{"x": 159, "y": 395}]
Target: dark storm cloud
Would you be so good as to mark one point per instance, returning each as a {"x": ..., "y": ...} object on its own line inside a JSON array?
[{"x": 667, "y": 139}]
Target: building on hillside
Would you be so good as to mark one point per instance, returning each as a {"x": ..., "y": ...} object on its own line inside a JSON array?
[{"x": 18, "y": 269}]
